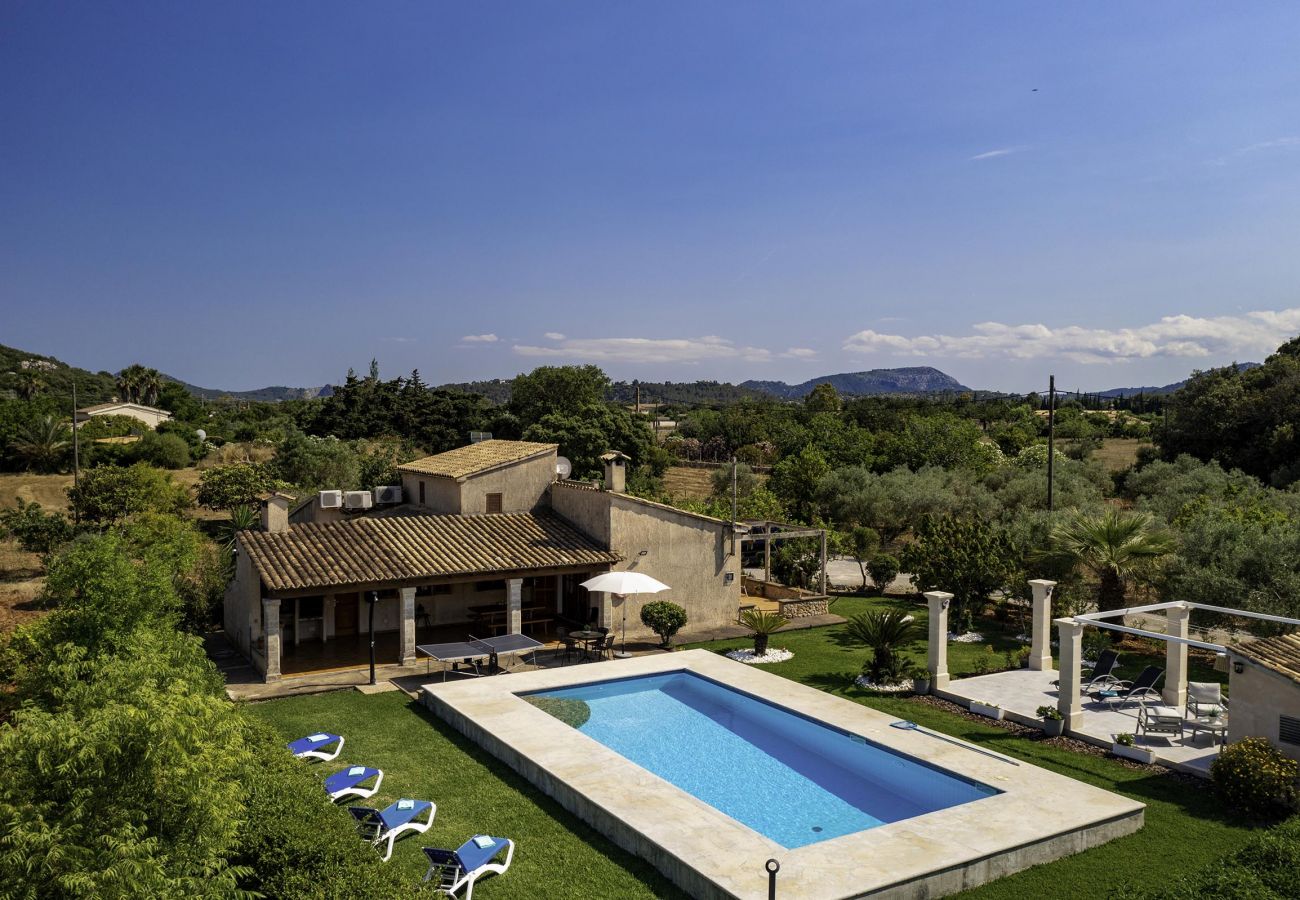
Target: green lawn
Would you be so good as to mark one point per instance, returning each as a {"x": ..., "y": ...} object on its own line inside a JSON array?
[{"x": 558, "y": 856}]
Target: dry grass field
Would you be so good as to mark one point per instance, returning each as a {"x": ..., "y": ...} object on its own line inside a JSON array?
[
  {"x": 681, "y": 481},
  {"x": 1117, "y": 454}
]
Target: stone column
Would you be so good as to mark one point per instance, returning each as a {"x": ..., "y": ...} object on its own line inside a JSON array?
[
  {"x": 1068, "y": 700},
  {"x": 514, "y": 605},
  {"x": 1040, "y": 632},
  {"x": 297, "y": 622},
  {"x": 1178, "y": 622},
  {"x": 937, "y": 659},
  {"x": 327, "y": 619},
  {"x": 271, "y": 628},
  {"x": 406, "y": 627},
  {"x": 559, "y": 595}
]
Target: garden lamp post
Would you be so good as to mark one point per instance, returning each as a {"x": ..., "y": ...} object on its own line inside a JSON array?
[{"x": 372, "y": 598}]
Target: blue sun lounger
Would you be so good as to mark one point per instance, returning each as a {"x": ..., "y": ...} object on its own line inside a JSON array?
[
  {"x": 347, "y": 782},
  {"x": 460, "y": 868},
  {"x": 309, "y": 747},
  {"x": 380, "y": 825}
]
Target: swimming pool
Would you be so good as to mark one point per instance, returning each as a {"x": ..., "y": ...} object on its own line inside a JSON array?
[{"x": 791, "y": 778}]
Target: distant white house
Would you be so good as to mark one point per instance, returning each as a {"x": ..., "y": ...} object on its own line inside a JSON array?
[{"x": 148, "y": 415}]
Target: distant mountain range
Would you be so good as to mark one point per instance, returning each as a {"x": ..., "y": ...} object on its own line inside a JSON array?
[
  {"x": 908, "y": 380},
  {"x": 1166, "y": 389},
  {"x": 260, "y": 395}
]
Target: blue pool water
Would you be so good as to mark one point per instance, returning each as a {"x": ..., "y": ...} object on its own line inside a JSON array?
[{"x": 796, "y": 780}]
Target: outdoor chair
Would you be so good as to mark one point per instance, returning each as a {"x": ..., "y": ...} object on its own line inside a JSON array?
[
  {"x": 1157, "y": 719},
  {"x": 1140, "y": 689},
  {"x": 1103, "y": 674},
  {"x": 309, "y": 747},
  {"x": 570, "y": 644},
  {"x": 1202, "y": 697},
  {"x": 605, "y": 649},
  {"x": 377, "y": 826},
  {"x": 456, "y": 869},
  {"x": 348, "y": 783}
]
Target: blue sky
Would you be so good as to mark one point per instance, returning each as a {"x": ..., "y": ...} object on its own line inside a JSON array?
[{"x": 251, "y": 193}]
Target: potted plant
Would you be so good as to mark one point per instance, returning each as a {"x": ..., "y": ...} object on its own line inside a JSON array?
[
  {"x": 763, "y": 625},
  {"x": 986, "y": 709},
  {"x": 1124, "y": 747},
  {"x": 1053, "y": 721},
  {"x": 920, "y": 676}
]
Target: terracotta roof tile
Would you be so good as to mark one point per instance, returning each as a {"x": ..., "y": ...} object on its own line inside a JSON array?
[
  {"x": 408, "y": 547},
  {"x": 475, "y": 458},
  {"x": 1281, "y": 654}
]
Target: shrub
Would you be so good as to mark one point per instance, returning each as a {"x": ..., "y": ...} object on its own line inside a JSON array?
[
  {"x": 36, "y": 530},
  {"x": 763, "y": 625},
  {"x": 109, "y": 493},
  {"x": 1254, "y": 777},
  {"x": 166, "y": 451},
  {"x": 883, "y": 569},
  {"x": 664, "y": 618},
  {"x": 237, "y": 484}
]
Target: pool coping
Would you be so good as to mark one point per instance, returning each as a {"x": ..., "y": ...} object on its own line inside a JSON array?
[{"x": 1038, "y": 817}]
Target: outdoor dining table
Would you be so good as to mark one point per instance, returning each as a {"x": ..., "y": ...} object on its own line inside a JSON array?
[{"x": 587, "y": 637}]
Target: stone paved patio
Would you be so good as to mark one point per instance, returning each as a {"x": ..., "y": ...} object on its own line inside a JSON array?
[{"x": 1021, "y": 691}]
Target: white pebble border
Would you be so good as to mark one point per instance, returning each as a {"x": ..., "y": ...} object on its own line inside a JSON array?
[
  {"x": 773, "y": 655},
  {"x": 863, "y": 681},
  {"x": 970, "y": 637}
]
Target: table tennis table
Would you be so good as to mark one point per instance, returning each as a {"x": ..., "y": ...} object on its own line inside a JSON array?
[{"x": 473, "y": 650}]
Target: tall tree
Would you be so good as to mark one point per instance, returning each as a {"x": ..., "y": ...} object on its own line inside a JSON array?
[
  {"x": 43, "y": 444},
  {"x": 28, "y": 383},
  {"x": 556, "y": 389}
]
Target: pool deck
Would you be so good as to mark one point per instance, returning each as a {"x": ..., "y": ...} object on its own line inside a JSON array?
[
  {"x": 1021, "y": 691},
  {"x": 1039, "y": 816}
]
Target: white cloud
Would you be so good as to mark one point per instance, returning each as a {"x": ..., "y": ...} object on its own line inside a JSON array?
[
  {"x": 994, "y": 154},
  {"x": 479, "y": 339},
  {"x": 1173, "y": 336},
  {"x": 1282, "y": 143},
  {"x": 646, "y": 350},
  {"x": 800, "y": 353},
  {"x": 398, "y": 340},
  {"x": 553, "y": 336}
]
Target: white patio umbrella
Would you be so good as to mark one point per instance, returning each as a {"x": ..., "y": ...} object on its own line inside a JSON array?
[{"x": 620, "y": 584}]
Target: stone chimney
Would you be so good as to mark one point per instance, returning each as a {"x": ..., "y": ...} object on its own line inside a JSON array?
[
  {"x": 615, "y": 470},
  {"x": 275, "y": 512}
]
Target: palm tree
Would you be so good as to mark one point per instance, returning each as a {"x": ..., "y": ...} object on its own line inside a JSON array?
[
  {"x": 29, "y": 383},
  {"x": 138, "y": 384},
  {"x": 884, "y": 633},
  {"x": 1115, "y": 546},
  {"x": 43, "y": 443}
]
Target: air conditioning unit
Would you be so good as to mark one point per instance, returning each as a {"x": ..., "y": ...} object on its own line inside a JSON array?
[
  {"x": 331, "y": 499},
  {"x": 388, "y": 493},
  {"x": 358, "y": 500}
]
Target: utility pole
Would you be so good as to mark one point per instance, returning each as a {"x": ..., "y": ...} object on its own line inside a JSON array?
[
  {"x": 76, "y": 455},
  {"x": 733, "y": 506},
  {"x": 1051, "y": 435}
]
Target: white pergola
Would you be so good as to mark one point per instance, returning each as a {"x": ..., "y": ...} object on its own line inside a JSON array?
[{"x": 1176, "y": 636}]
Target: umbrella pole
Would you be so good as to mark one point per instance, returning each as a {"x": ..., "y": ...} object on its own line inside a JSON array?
[{"x": 622, "y": 650}]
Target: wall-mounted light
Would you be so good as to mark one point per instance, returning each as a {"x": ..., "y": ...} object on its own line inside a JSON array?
[{"x": 1238, "y": 667}]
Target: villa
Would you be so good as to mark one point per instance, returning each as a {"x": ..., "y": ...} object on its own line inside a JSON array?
[
  {"x": 149, "y": 416},
  {"x": 483, "y": 539}
]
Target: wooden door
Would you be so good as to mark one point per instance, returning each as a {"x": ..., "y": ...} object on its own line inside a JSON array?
[{"x": 346, "y": 614}]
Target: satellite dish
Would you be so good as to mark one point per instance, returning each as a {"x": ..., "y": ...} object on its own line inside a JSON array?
[
  {"x": 203, "y": 435},
  {"x": 563, "y": 468}
]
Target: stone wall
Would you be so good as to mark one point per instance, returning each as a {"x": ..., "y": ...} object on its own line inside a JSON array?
[{"x": 807, "y": 606}]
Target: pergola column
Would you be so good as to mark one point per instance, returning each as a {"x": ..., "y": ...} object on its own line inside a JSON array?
[
  {"x": 1040, "y": 632},
  {"x": 271, "y": 629},
  {"x": 1178, "y": 622},
  {"x": 515, "y": 605},
  {"x": 327, "y": 618},
  {"x": 406, "y": 627},
  {"x": 937, "y": 656},
  {"x": 1068, "y": 701}
]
